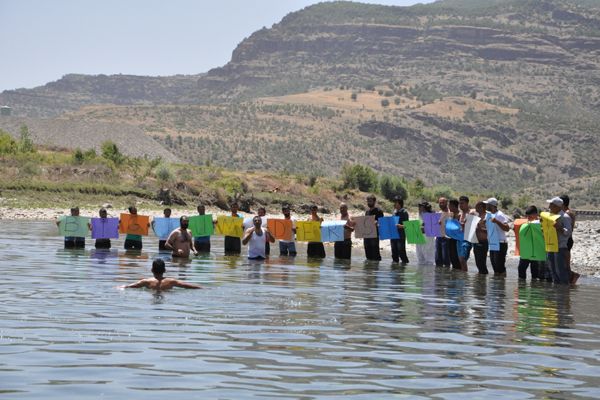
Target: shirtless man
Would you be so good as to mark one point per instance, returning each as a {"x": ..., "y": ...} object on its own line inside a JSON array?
[
  {"x": 159, "y": 282},
  {"x": 180, "y": 240}
]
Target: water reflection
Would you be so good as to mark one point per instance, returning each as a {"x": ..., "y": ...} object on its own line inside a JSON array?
[{"x": 285, "y": 328}]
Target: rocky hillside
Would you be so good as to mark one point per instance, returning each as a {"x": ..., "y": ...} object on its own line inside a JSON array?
[
  {"x": 483, "y": 94},
  {"x": 85, "y": 135},
  {"x": 74, "y": 91}
]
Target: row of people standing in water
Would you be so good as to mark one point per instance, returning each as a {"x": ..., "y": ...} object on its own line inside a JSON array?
[{"x": 444, "y": 250}]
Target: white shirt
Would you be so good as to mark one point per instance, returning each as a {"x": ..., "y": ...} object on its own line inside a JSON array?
[
  {"x": 256, "y": 244},
  {"x": 500, "y": 216}
]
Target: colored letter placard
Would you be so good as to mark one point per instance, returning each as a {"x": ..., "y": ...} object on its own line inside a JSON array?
[
  {"x": 387, "y": 228},
  {"x": 308, "y": 231},
  {"x": 230, "y": 226},
  {"x": 550, "y": 234},
  {"x": 470, "y": 228},
  {"x": 332, "y": 231},
  {"x": 105, "y": 228},
  {"x": 365, "y": 227},
  {"x": 453, "y": 229},
  {"x": 281, "y": 229},
  {"x": 414, "y": 235},
  {"x": 73, "y": 226},
  {"x": 518, "y": 223},
  {"x": 134, "y": 224},
  {"x": 432, "y": 224},
  {"x": 164, "y": 226},
  {"x": 201, "y": 225},
  {"x": 531, "y": 242},
  {"x": 493, "y": 233}
]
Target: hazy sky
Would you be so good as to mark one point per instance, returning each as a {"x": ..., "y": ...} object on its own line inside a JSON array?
[{"x": 41, "y": 40}]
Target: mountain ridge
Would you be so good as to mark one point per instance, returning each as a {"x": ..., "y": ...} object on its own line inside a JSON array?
[{"x": 420, "y": 91}]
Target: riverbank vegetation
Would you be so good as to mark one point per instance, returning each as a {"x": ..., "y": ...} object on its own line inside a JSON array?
[{"x": 38, "y": 176}]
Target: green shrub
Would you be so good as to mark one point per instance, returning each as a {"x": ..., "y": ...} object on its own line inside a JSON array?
[
  {"x": 359, "y": 177},
  {"x": 25, "y": 143},
  {"x": 164, "y": 174},
  {"x": 8, "y": 145},
  {"x": 78, "y": 157},
  {"x": 391, "y": 186},
  {"x": 385, "y": 102},
  {"x": 111, "y": 152}
]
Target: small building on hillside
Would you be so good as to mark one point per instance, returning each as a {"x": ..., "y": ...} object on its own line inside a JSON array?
[{"x": 5, "y": 111}]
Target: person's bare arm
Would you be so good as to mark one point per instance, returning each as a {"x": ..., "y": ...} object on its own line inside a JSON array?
[
  {"x": 503, "y": 225},
  {"x": 139, "y": 284},
  {"x": 185, "y": 285},
  {"x": 192, "y": 246},
  {"x": 170, "y": 240},
  {"x": 270, "y": 237},
  {"x": 247, "y": 236}
]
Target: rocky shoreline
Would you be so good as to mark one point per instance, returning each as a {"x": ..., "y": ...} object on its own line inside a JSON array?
[{"x": 585, "y": 254}]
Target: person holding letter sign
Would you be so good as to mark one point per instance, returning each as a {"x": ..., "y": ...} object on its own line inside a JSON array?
[
  {"x": 72, "y": 225},
  {"x": 202, "y": 243},
  {"x": 372, "y": 244},
  {"x": 343, "y": 249},
  {"x": 233, "y": 245},
  {"x": 499, "y": 219},
  {"x": 256, "y": 238},
  {"x": 102, "y": 243},
  {"x": 134, "y": 241},
  {"x": 288, "y": 247},
  {"x": 464, "y": 246},
  {"x": 426, "y": 251},
  {"x": 442, "y": 257},
  {"x": 563, "y": 225},
  {"x": 399, "y": 245},
  {"x": 480, "y": 249},
  {"x": 162, "y": 239},
  {"x": 315, "y": 249}
]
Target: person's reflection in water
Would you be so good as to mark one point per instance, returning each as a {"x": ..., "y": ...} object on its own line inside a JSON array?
[
  {"x": 254, "y": 270},
  {"x": 343, "y": 264},
  {"x": 496, "y": 302},
  {"x": 529, "y": 307},
  {"x": 456, "y": 310},
  {"x": 101, "y": 255},
  {"x": 479, "y": 284},
  {"x": 557, "y": 311},
  {"x": 70, "y": 252}
]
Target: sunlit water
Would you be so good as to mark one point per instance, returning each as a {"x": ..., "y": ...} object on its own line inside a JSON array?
[{"x": 282, "y": 328}]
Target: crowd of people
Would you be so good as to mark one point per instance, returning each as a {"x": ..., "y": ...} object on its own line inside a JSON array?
[{"x": 445, "y": 250}]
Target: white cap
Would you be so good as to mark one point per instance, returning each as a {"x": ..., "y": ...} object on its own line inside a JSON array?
[
  {"x": 492, "y": 201},
  {"x": 557, "y": 201}
]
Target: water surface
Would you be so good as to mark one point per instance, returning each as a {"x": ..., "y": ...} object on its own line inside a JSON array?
[{"x": 282, "y": 328}]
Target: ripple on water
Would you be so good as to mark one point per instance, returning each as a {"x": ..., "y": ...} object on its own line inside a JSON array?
[{"x": 283, "y": 328}]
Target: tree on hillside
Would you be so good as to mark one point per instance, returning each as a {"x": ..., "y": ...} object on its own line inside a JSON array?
[
  {"x": 111, "y": 152},
  {"x": 25, "y": 143},
  {"x": 391, "y": 186},
  {"x": 359, "y": 177}
]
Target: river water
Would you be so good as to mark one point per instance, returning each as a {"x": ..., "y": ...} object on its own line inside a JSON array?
[{"x": 282, "y": 328}]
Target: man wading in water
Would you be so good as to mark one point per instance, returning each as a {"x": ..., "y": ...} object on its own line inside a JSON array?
[
  {"x": 159, "y": 282},
  {"x": 180, "y": 240}
]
